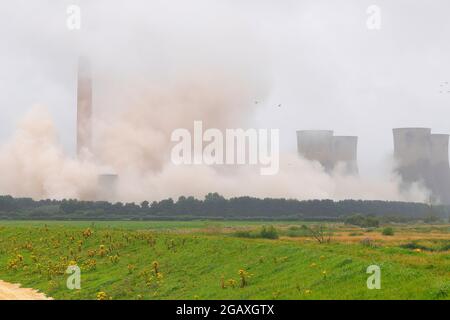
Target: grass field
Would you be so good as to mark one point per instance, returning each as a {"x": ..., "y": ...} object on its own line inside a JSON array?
[{"x": 224, "y": 260}]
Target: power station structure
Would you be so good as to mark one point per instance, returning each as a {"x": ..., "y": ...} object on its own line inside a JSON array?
[
  {"x": 107, "y": 180},
  {"x": 329, "y": 150},
  {"x": 84, "y": 108},
  {"x": 345, "y": 153},
  {"x": 423, "y": 157},
  {"x": 420, "y": 155}
]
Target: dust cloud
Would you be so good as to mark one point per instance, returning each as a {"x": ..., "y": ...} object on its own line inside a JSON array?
[
  {"x": 33, "y": 164},
  {"x": 158, "y": 67}
]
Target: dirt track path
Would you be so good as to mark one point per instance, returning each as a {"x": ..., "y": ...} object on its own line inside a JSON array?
[{"x": 9, "y": 291}]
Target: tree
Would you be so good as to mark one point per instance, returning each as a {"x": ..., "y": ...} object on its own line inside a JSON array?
[{"x": 319, "y": 233}]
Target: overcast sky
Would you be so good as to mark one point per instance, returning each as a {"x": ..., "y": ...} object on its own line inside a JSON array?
[{"x": 316, "y": 58}]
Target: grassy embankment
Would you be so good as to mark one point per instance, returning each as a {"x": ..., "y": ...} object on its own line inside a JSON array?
[{"x": 202, "y": 260}]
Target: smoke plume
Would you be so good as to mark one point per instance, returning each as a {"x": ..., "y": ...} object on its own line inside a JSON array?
[
  {"x": 159, "y": 66},
  {"x": 34, "y": 164}
]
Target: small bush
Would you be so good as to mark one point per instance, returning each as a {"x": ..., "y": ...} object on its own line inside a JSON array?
[
  {"x": 388, "y": 231},
  {"x": 415, "y": 246},
  {"x": 319, "y": 233},
  {"x": 265, "y": 233},
  {"x": 297, "y": 231},
  {"x": 442, "y": 292},
  {"x": 269, "y": 233}
]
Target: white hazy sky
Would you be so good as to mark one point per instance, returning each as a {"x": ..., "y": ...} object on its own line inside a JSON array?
[{"x": 317, "y": 58}]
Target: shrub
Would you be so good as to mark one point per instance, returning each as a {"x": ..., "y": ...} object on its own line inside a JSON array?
[
  {"x": 319, "y": 233},
  {"x": 265, "y": 233},
  {"x": 155, "y": 266},
  {"x": 244, "y": 275},
  {"x": 442, "y": 292},
  {"x": 269, "y": 233},
  {"x": 102, "y": 296},
  {"x": 415, "y": 246},
  {"x": 297, "y": 231},
  {"x": 388, "y": 231}
]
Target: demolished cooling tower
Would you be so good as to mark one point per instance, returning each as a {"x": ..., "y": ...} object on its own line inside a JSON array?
[
  {"x": 316, "y": 145},
  {"x": 412, "y": 145},
  {"x": 440, "y": 171},
  {"x": 330, "y": 151},
  {"x": 439, "y": 150},
  {"x": 412, "y": 152},
  {"x": 423, "y": 157},
  {"x": 345, "y": 153},
  {"x": 84, "y": 108}
]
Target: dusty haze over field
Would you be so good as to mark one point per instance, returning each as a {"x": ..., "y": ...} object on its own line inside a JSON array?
[{"x": 160, "y": 65}]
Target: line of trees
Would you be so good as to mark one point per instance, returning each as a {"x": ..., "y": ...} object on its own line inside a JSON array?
[{"x": 213, "y": 206}]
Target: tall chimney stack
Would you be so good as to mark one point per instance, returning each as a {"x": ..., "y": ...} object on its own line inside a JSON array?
[{"x": 84, "y": 108}]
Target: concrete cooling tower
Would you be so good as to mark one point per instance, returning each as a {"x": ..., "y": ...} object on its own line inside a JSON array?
[
  {"x": 329, "y": 150},
  {"x": 84, "y": 108},
  {"x": 412, "y": 152},
  {"x": 439, "y": 150},
  {"x": 423, "y": 157},
  {"x": 440, "y": 171},
  {"x": 345, "y": 153},
  {"x": 316, "y": 145},
  {"x": 412, "y": 145}
]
